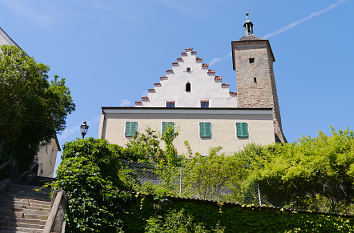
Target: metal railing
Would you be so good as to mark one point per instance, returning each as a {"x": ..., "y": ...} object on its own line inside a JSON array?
[{"x": 5, "y": 164}]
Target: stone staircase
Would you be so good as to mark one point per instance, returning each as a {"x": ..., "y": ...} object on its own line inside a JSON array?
[{"x": 22, "y": 209}]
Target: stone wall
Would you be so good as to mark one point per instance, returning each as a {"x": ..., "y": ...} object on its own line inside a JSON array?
[{"x": 256, "y": 87}]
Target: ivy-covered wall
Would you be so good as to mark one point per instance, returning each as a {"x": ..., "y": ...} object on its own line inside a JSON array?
[{"x": 231, "y": 217}]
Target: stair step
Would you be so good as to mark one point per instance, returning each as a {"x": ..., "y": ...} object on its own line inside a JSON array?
[
  {"x": 23, "y": 199},
  {"x": 22, "y": 221},
  {"x": 21, "y": 224},
  {"x": 19, "y": 206},
  {"x": 21, "y": 229}
]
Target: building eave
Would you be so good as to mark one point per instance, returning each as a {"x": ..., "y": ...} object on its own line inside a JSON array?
[{"x": 183, "y": 110}]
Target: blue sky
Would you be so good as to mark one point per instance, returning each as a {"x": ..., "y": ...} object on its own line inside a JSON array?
[{"x": 112, "y": 51}]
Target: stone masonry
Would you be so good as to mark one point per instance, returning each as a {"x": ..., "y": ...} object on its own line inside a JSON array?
[{"x": 256, "y": 88}]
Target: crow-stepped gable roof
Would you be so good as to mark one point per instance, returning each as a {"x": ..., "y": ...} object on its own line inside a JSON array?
[{"x": 203, "y": 85}]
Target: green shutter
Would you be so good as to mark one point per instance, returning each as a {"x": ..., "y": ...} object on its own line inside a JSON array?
[
  {"x": 242, "y": 130},
  {"x": 205, "y": 129},
  {"x": 166, "y": 125},
  {"x": 131, "y": 128},
  {"x": 245, "y": 130}
]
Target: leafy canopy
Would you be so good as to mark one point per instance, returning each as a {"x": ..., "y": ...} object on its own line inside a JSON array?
[{"x": 32, "y": 109}]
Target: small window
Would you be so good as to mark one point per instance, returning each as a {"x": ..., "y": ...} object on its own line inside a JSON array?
[
  {"x": 205, "y": 129},
  {"x": 166, "y": 125},
  {"x": 188, "y": 87},
  {"x": 131, "y": 128},
  {"x": 242, "y": 130},
  {"x": 255, "y": 80},
  {"x": 170, "y": 104},
  {"x": 252, "y": 60},
  {"x": 204, "y": 104},
  {"x": 189, "y": 69}
]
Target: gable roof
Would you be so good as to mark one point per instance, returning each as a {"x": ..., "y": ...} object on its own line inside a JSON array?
[
  {"x": 189, "y": 68},
  {"x": 6, "y": 39}
]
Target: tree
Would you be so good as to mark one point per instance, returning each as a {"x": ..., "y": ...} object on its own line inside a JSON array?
[
  {"x": 313, "y": 173},
  {"x": 32, "y": 109}
]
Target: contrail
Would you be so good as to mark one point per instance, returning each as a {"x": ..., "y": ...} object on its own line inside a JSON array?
[
  {"x": 303, "y": 20},
  {"x": 290, "y": 26}
]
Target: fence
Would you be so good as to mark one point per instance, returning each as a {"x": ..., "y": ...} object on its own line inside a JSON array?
[{"x": 183, "y": 182}]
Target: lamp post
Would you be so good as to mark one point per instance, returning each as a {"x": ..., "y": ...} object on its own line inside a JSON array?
[{"x": 84, "y": 127}]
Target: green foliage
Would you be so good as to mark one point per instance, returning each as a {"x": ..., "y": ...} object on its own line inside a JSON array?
[
  {"x": 144, "y": 146},
  {"x": 100, "y": 199},
  {"x": 205, "y": 177},
  {"x": 32, "y": 109},
  {"x": 299, "y": 175},
  {"x": 93, "y": 201},
  {"x": 97, "y": 191},
  {"x": 181, "y": 215},
  {"x": 174, "y": 221}
]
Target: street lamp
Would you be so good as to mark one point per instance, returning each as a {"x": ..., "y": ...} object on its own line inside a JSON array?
[{"x": 84, "y": 127}]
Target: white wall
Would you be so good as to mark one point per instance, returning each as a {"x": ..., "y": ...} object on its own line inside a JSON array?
[
  {"x": 260, "y": 123},
  {"x": 204, "y": 87}
]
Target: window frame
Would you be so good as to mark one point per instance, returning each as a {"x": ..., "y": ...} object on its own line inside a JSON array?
[
  {"x": 243, "y": 134},
  {"x": 125, "y": 129},
  {"x": 200, "y": 130},
  {"x": 170, "y": 102},
  {"x": 162, "y": 127},
  {"x": 204, "y": 101},
  {"x": 190, "y": 87}
]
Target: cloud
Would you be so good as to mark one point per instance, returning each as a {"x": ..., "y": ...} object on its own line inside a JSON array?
[
  {"x": 41, "y": 16},
  {"x": 125, "y": 103},
  {"x": 303, "y": 20},
  {"x": 219, "y": 59}
]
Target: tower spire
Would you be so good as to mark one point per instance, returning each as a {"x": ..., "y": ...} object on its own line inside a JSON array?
[{"x": 248, "y": 25}]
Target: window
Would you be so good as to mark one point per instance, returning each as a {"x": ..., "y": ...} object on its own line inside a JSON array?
[
  {"x": 188, "y": 87},
  {"x": 170, "y": 104},
  {"x": 204, "y": 104},
  {"x": 242, "y": 130},
  {"x": 131, "y": 128},
  {"x": 205, "y": 129},
  {"x": 189, "y": 69},
  {"x": 254, "y": 80},
  {"x": 166, "y": 125},
  {"x": 251, "y": 60}
]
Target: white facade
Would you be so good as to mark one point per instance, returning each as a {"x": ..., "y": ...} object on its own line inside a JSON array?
[
  {"x": 204, "y": 86},
  {"x": 186, "y": 121}
]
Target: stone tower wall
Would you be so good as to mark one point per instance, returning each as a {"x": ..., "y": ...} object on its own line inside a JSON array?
[{"x": 256, "y": 87}]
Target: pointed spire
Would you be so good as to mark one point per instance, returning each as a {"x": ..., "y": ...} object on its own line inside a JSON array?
[{"x": 248, "y": 26}]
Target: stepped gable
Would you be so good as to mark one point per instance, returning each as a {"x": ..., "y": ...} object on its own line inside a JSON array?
[{"x": 205, "y": 85}]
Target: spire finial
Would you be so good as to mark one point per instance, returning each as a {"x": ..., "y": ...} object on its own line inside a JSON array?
[{"x": 248, "y": 25}]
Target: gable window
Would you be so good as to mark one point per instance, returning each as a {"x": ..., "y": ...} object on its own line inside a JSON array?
[
  {"x": 242, "y": 130},
  {"x": 166, "y": 125},
  {"x": 131, "y": 128},
  {"x": 170, "y": 104},
  {"x": 205, "y": 129},
  {"x": 251, "y": 60},
  {"x": 189, "y": 69},
  {"x": 204, "y": 104},
  {"x": 188, "y": 87}
]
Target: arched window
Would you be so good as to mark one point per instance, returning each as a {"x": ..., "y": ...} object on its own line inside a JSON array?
[{"x": 188, "y": 87}]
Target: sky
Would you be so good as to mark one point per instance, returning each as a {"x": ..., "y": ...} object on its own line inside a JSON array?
[{"x": 112, "y": 51}]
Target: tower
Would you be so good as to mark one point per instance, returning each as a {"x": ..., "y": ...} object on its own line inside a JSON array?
[{"x": 253, "y": 61}]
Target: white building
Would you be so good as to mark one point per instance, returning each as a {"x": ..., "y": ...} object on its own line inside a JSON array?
[{"x": 191, "y": 98}]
